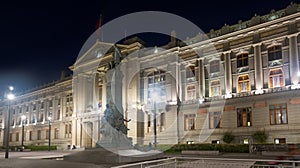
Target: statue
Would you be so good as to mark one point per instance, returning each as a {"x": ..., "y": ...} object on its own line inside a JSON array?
[{"x": 113, "y": 127}]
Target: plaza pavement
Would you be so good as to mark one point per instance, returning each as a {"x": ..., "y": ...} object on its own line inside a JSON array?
[{"x": 45, "y": 159}]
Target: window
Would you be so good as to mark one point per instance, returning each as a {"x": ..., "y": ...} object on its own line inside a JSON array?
[
  {"x": 214, "y": 66},
  {"x": 274, "y": 52},
  {"x": 34, "y": 106},
  {"x": 66, "y": 129},
  {"x": 243, "y": 84},
  {"x": 47, "y": 134},
  {"x": 17, "y": 136},
  {"x": 162, "y": 119},
  {"x": 191, "y": 92},
  {"x": 246, "y": 141},
  {"x": 278, "y": 114},
  {"x": 13, "y": 122},
  {"x": 58, "y": 114},
  {"x": 39, "y": 135},
  {"x": 242, "y": 60},
  {"x": 50, "y": 103},
  {"x": 41, "y": 117},
  {"x": 215, "y": 142},
  {"x": 42, "y": 105},
  {"x": 215, "y": 88},
  {"x": 58, "y": 102},
  {"x": 244, "y": 117},
  {"x": 34, "y": 118},
  {"x": 27, "y": 108},
  {"x": 70, "y": 128},
  {"x": 30, "y": 135},
  {"x": 156, "y": 83},
  {"x": 190, "y": 73},
  {"x": 189, "y": 122},
  {"x": 10, "y": 137},
  {"x": 149, "y": 120},
  {"x": 279, "y": 141},
  {"x": 276, "y": 78},
  {"x": 56, "y": 133},
  {"x": 215, "y": 120}
]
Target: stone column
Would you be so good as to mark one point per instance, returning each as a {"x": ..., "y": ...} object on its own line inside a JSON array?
[
  {"x": 258, "y": 68},
  {"x": 228, "y": 75},
  {"x": 293, "y": 58},
  {"x": 201, "y": 77}
]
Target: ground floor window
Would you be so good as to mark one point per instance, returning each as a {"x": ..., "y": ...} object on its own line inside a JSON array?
[
  {"x": 244, "y": 117},
  {"x": 189, "y": 122},
  {"x": 279, "y": 141},
  {"x": 215, "y": 120},
  {"x": 278, "y": 114}
]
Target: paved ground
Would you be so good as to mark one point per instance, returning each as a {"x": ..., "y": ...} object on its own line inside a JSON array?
[{"x": 38, "y": 159}]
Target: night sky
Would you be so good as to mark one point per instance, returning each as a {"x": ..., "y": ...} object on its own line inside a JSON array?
[{"x": 39, "y": 39}]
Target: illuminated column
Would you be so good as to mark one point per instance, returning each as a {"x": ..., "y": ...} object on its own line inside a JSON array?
[
  {"x": 201, "y": 77},
  {"x": 228, "y": 75},
  {"x": 258, "y": 68},
  {"x": 294, "y": 58}
]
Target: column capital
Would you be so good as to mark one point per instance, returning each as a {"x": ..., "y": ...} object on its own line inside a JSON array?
[
  {"x": 227, "y": 52},
  {"x": 292, "y": 35},
  {"x": 257, "y": 44}
]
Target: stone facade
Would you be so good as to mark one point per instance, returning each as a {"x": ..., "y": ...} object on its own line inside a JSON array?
[{"x": 244, "y": 78}]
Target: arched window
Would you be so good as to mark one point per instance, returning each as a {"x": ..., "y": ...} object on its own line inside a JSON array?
[
  {"x": 274, "y": 52},
  {"x": 276, "y": 78},
  {"x": 243, "y": 83}
]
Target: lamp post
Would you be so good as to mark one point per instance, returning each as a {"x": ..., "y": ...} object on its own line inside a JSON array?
[
  {"x": 49, "y": 132},
  {"x": 155, "y": 95},
  {"x": 10, "y": 96},
  {"x": 23, "y": 118}
]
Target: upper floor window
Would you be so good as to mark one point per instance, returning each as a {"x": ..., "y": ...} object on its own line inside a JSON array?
[
  {"x": 278, "y": 114},
  {"x": 214, "y": 66},
  {"x": 191, "y": 92},
  {"x": 242, "y": 60},
  {"x": 243, "y": 83},
  {"x": 190, "y": 72},
  {"x": 276, "y": 78},
  {"x": 274, "y": 52},
  {"x": 156, "y": 84},
  {"x": 215, "y": 88}
]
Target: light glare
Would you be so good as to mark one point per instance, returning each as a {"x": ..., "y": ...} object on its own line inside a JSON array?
[{"x": 10, "y": 96}]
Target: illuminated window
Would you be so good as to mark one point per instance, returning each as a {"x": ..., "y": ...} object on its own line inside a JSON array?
[
  {"x": 274, "y": 52},
  {"x": 242, "y": 60},
  {"x": 214, "y": 66},
  {"x": 156, "y": 82},
  {"x": 279, "y": 141},
  {"x": 244, "y": 117},
  {"x": 191, "y": 92},
  {"x": 243, "y": 84},
  {"x": 190, "y": 122},
  {"x": 215, "y": 120},
  {"x": 215, "y": 141},
  {"x": 276, "y": 78},
  {"x": 278, "y": 114},
  {"x": 246, "y": 141},
  {"x": 215, "y": 88}
]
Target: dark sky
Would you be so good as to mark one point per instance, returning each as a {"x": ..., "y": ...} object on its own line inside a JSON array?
[{"x": 40, "y": 38}]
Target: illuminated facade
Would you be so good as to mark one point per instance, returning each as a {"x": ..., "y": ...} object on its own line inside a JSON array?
[{"x": 250, "y": 83}]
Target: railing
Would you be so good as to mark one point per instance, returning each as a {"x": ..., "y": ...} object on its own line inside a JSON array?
[{"x": 190, "y": 162}]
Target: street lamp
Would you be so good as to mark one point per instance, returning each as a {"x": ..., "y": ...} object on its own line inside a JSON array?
[
  {"x": 155, "y": 95},
  {"x": 10, "y": 96},
  {"x": 49, "y": 132},
  {"x": 23, "y": 118}
]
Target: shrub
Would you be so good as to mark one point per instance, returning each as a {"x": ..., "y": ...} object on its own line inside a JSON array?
[
  {"x": 228, "y": 137},
  {"x": 260, "y": 136},
  {"x": 39, "y": 148},
  {"x": 238, "y": 148}
]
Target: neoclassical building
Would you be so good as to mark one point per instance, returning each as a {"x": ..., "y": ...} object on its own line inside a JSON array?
[{"x": 241, "y": 79}]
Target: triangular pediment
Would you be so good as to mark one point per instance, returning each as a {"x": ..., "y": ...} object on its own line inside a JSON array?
[{"x": 96, "y": 52}]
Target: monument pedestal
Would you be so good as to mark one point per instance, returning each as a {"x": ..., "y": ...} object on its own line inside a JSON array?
[{"x": 112, "y": 156}]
